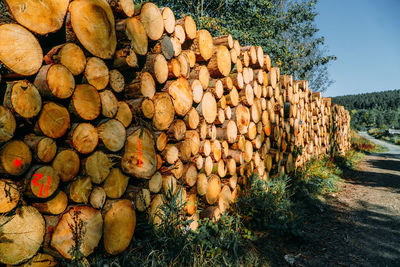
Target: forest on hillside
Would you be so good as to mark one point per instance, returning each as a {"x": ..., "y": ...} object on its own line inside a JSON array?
[{"x": 379, "y": 109}]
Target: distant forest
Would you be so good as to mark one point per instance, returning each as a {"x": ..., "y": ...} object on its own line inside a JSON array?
[{"x": 380, "y": 109}]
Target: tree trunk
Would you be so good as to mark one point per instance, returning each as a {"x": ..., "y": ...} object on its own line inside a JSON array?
[
  {"x": 200, "y": 72},
  {"x": 225, "y": 40},
  {"x": 43, "y": 181}
]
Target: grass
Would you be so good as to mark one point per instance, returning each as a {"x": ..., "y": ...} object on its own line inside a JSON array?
[{"x": 364, "y": 145}]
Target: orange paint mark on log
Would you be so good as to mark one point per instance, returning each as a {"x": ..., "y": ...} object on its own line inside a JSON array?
[{"x": 140, "y": 154}]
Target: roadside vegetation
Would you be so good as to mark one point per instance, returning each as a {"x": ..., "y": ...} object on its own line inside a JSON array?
[
  {"x": 364, "y": 145},
  {"x": 385, "y": 136}
]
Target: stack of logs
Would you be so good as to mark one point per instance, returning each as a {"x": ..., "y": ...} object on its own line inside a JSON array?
[{"x": 110, "y": 107}]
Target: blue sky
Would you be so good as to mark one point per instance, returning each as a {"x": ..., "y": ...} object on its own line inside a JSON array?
[{"x": 365, "y": 37}]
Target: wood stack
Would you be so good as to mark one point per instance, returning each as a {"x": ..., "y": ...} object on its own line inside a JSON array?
[{"x": 133, "y": 106}]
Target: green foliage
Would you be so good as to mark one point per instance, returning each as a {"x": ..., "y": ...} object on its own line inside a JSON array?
[
  {"x": 349, "y": 160},
  {"x": 284, "y": 28},
  {"x": 380, "y": 109},
  {"x": 267, "y": 204}
]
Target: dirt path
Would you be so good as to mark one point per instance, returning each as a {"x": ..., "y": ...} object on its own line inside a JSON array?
[{"x": 361, "y": 226}]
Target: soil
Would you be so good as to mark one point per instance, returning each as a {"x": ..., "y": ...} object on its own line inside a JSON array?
[{"x": 360, "y": 225}]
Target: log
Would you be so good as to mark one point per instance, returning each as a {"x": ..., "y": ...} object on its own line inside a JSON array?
[
  {"x": 122, "y": 7},
  {"x": 85, "y": 103},
  {"x": 119, "y": 226},
  {"x": 44, "y": 149},
  {"x": 228, "y": 131},
  {"x": 177, "y": 130},
  {"x": 194, "y": 141},
  {"x": 55, "y": 81},
  {"x": 97, "y": 166},
  {"x": 197, "y": 90},
  {"x": 116, "y": 183},
  {"x": 79, "y": 231},
  {"x": 202, "y": 184},
  {"x": 117, "y": 81},
  {"x": 169, "y": 185},
  {"x": 83, "y": 137},
  {"x": 164, "y": 111},
  {"x": 67, "y": 164},
  {"x": 200, "y": 72},
  {"x": 39, "y": 17},
  {"x": 225, "y": 40},
  {"x": 220, "y": 63},
  {"x": 246, "y": 95},
  {"x": 169, "y": 19},
  {"x": 43, "y": 181},
  {"x": 157, "y": 66},
  {"x": 203, "y": 45},
  {"x": 155, "y": 183},
  {"x": 96, "y": 29},
  {"x": 181, "y": 94},
  {"x": 213, "y": 189},
  {"x": 142, "y": 86},
  {"x": 191, "y": 56},
  {"x": 174, "y": 69},
  {"x": 152, "y": 21},
  {"x": 179, "y": 34},
  {"x": 139, "y": 158},
  {"x": 216, "y": 87},
  {"x": 125, "y": 59},
  {"x": 177, "y": 46},
  {"x": 112, "y": 133},
  {"x": 191, "y": 204},
  {"x": 24, "y": 233},
  {"x": 208, "y": 108},
  {"x": 8, "y": 124},
  {"x": 224, "y": 199},
  {"x": 124, "y": 114},
  {"x": 136, "y": 33},
  {"x": 97, "y": 73},
  {"x": 185, "y": 65},
  {"x": 15, "y": 158},
  {"x": 208, "y": 165},
  {"x": 54, "y": 206},
  {"x": 20, "y": 51},
  {"x": 241, "y": 115},
  {"x": 79, "y": 190},
  {"x": 190, "y": 174},
  {"x": 39, "y": 259},
  {"x": 54, "y": 120},
  {"x": 70, "y": 55},
  {"x": 23, "y": 99},
  {"x": 232, "y": 99},
  {"x": 9, "y": 195},
  {"x": 189, "y": 26}
]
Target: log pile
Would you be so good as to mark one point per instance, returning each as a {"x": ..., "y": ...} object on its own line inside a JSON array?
[{"x": 110, "y": 107}]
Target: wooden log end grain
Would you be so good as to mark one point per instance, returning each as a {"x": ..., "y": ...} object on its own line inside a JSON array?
[
  {"x": 220, "y": 63},
  {"x": 81, "y": 224},
  {"x": 84, "y": 138},
  {"x": 67, "y": 164},
  {"x": 15, "y": 157},
  {"x": 44, "y": 148},
  {"x": 96, "y": 30},
  {"x": 97, "y": 166},
  {"x": 181, "y": 94},
  {"x": 152, "y": 21},
  {"x": 119, "y": 226},
  {"x": 209, "y": 107},
  {"x": 115, "y": 183},
  {"x": 109, "y": 104},
  {"x": 189, "y": 25},
  {"x": 54, "y": 206},
  {"x": 86, "y": 102},
  {"x": 7, "y": 125},
  {"x": 97, "y": 73},
  {"x": 124, "y": 114},
  {"x": 19, "y": 50},
  {"x": 203, "y": 45},
  {"x": 54, "y": 120},
  {"x": 169, "y": 19},
  {"x": 164, "y": 111},
  {"x": 24, "y": 232},
  {"x": 113, "y": 134},
  {"x": 9, "y": 195},
  {"x": 23, "y": 98}
]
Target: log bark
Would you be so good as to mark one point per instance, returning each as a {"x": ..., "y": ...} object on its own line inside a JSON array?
[
  {"x": 225, "y": 40},
  {"x": 157, "y": 66}
]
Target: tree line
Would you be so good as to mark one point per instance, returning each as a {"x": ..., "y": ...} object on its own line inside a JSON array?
[{"x": 379, "y": 109}]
